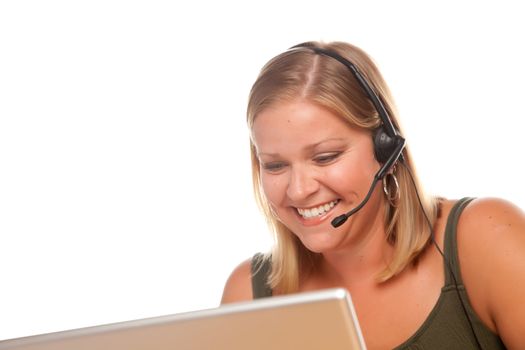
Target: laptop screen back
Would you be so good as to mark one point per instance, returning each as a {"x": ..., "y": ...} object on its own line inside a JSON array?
[{"x": 313, "y": 320}]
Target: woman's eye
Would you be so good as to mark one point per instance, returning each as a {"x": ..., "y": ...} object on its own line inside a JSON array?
[
  {"x": 326, "y": 158},
  {"x": 273, "y": 166}
]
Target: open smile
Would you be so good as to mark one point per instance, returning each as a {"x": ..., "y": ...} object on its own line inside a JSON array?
[{"x": 314, "y": 212}]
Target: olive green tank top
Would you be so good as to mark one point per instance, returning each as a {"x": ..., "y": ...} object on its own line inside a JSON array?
[{"x": 447, "y": 325}]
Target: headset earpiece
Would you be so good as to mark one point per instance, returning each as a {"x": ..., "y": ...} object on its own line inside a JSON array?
[{"x": 384, "y": 145}]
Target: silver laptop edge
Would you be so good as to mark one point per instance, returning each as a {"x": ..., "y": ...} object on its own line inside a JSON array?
[{"x": 264, "y": 303}]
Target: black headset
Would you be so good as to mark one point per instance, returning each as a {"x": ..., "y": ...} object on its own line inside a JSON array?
[{"x": 388, "y": 144}]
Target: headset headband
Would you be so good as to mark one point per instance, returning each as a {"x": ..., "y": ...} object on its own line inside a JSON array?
[{"x": 376, "y": 101}]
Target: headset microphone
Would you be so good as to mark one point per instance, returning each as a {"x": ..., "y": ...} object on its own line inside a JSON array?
[{"x": 341, "y": 219}]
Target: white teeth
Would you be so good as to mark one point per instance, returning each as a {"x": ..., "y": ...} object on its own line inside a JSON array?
[{"x": 317, "y": 211}]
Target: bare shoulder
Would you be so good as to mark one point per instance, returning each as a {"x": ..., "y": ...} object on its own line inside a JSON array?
[
  {"x": 238, "y": 286},
  {"x": 491, "y": 249},
  {"x": 492, "y": 225},
  {"x": 494, "y": 209}
]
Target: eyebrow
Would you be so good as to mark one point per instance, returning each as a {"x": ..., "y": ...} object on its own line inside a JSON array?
[{"x": 307, "y": 148}]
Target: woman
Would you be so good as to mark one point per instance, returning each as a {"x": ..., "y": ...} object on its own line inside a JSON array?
[{"x": 423, "y": 272}]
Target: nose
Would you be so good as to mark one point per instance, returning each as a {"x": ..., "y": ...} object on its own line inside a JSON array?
[{"x": 301, "y": 184}]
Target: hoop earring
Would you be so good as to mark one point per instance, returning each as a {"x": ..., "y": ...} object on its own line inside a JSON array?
[{"x": 392, "y": 198}]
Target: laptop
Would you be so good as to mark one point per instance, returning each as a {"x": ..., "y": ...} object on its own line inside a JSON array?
[{"x": 311, "y": 320}]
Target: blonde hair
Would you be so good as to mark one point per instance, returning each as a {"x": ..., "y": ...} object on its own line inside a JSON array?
[{"x": 300, "y": 73}]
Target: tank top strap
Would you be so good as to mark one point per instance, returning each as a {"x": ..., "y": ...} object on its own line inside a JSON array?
[
  {"x": 451, "y": 247},
  {"x": 260, "y": 269}
]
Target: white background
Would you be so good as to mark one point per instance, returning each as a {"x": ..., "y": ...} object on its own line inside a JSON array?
[{"x": 124, "y": 169}]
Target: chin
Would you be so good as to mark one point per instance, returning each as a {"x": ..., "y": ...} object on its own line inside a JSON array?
[{"x": 319, "y": 242}]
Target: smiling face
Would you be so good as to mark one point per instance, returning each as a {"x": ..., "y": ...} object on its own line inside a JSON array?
[{"x": 314, "y": 167}]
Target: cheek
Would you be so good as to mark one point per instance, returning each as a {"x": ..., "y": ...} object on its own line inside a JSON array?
[
  {"x": 351, "y": 174},
  {"x": 273, "y": 188}
]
